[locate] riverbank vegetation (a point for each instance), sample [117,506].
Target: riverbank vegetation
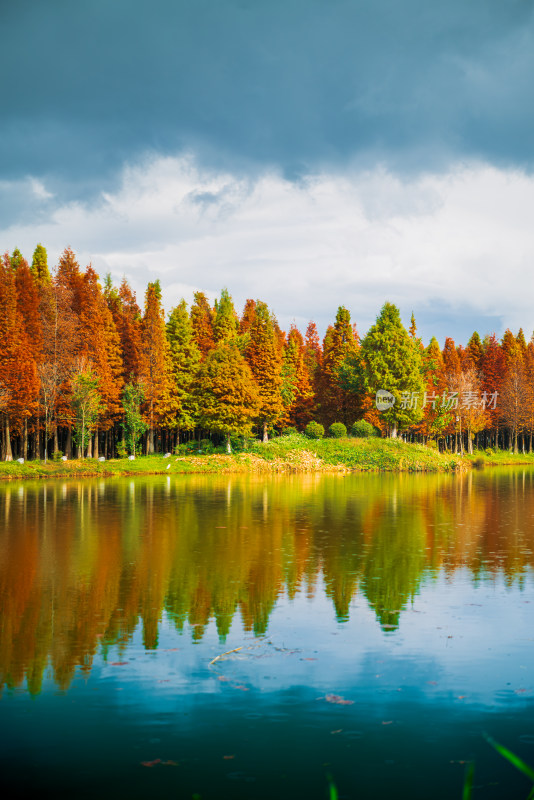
[290,453]
[84,373]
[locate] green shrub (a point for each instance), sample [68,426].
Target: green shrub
[363,429]
[206,446]
[314,430]
[432,444]
[489,451]
[57,455]
[337,430]
[289,431]
[121,449]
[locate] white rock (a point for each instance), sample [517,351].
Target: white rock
[167,455]
[101,458]
[131,458]
[64,458]
[20,460]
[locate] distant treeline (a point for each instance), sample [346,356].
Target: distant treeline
[83,371]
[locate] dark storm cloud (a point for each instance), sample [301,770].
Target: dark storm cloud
[301,84]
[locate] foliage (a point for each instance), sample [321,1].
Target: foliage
[86,402]
[134,425]
[393,363]
[337,430]
[226,391]
[362,429]
[314,430]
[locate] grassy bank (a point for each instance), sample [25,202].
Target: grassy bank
[293,453]
[499,458]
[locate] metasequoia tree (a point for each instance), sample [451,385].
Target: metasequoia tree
[155,367]
[296,390]
[100,344]
[340,349]
[393,363]
[265,360]
[86,401]
[225,320]
[228,396]
[134,425]
[18,376]
[202,321]
[60,326]
[185,357]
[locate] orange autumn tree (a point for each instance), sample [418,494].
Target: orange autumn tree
[227,394]
[297,392]
[202,316]
[18,375]
[155,367]
[265,361]
[100,344]
[340,346]
[28,307]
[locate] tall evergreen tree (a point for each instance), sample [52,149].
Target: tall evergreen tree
[39,265]
[225,320]
[265,360]
[340,347]
[202,321]
[155,371]
[226,391]
[185,357]
[393,363]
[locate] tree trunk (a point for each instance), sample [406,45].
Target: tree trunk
[229,444]
[25,440]
[56,443]
[68,443]
[95,444]
[8,451]
[89,446]
[393,430]
[265,435]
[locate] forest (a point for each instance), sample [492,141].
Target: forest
[86,373]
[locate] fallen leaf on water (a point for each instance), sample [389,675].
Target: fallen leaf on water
[228,758]
[387,722]
[340,701]
[170,650]
[170,763]
[118,663]
[151,763]
[339,730]
[308,659]
[243,688]
[221,678]
[462,696]
[432,683]
[164,680]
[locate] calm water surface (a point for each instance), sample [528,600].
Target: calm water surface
[245,637]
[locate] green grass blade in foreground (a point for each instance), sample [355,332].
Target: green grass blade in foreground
[512,758]
[332,788]
[468,783]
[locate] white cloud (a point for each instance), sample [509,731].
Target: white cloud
[459,244]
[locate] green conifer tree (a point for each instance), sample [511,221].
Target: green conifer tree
[392,362]
[226,391]
[185,357]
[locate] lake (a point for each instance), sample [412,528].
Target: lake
[249,637]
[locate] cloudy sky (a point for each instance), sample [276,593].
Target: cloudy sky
[310,153]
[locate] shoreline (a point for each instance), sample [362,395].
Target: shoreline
[284,454]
